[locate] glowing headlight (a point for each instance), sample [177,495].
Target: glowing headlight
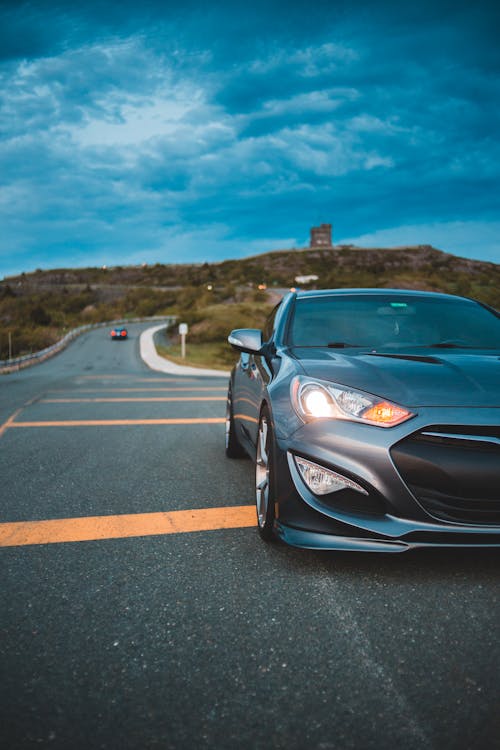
[314,399]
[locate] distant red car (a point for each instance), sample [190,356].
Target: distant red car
[118,333]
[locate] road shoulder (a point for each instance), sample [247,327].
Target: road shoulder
[153,360]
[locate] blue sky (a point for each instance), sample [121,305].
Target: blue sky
[184,132]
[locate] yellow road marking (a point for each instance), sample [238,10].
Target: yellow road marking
[250,401]
[137,380]
[22,533]
[101,400]
[245,418]
[141,390]
[9,421]
[114,422]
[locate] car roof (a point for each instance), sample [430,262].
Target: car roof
[375,292]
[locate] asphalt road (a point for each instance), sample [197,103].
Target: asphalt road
[159,636]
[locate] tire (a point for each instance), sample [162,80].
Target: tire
[264,478]
[234,449]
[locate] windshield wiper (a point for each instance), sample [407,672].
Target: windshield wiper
[450,345]
[340,345]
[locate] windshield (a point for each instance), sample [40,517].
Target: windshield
[380,321]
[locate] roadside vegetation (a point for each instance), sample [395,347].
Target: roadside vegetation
[37,309]
[206,343]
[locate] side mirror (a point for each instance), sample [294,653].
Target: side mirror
[246,340]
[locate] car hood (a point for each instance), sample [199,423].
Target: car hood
[423,378]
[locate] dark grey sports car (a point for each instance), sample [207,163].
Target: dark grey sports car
[373,417]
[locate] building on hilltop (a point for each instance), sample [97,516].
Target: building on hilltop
[321,236]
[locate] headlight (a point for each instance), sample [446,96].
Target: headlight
[316,399]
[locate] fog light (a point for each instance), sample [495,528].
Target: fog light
[322,481]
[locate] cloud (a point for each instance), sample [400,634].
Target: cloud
[154,130]
[308,62]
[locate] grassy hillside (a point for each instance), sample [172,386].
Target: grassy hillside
[37,308]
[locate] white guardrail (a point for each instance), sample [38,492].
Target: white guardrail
[18,363]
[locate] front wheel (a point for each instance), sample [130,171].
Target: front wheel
[264,476]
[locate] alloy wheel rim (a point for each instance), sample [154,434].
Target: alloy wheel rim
[262,473]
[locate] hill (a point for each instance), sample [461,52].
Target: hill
[37,308]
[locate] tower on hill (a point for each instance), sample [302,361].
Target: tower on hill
[321,236]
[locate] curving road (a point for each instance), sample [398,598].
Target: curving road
[139,608]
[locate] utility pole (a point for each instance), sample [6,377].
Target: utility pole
[10,345]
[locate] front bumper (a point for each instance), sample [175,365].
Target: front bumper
[315,540]
[390,518]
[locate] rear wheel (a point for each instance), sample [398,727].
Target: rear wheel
[264,474]
[234,449]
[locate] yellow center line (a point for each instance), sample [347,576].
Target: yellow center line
[20,533]
[113,422]
[141,399]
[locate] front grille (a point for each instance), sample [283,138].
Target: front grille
[454,472]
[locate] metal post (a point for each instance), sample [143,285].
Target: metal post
[183,329]
[10,345]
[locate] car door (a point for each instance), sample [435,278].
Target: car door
[252,376]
